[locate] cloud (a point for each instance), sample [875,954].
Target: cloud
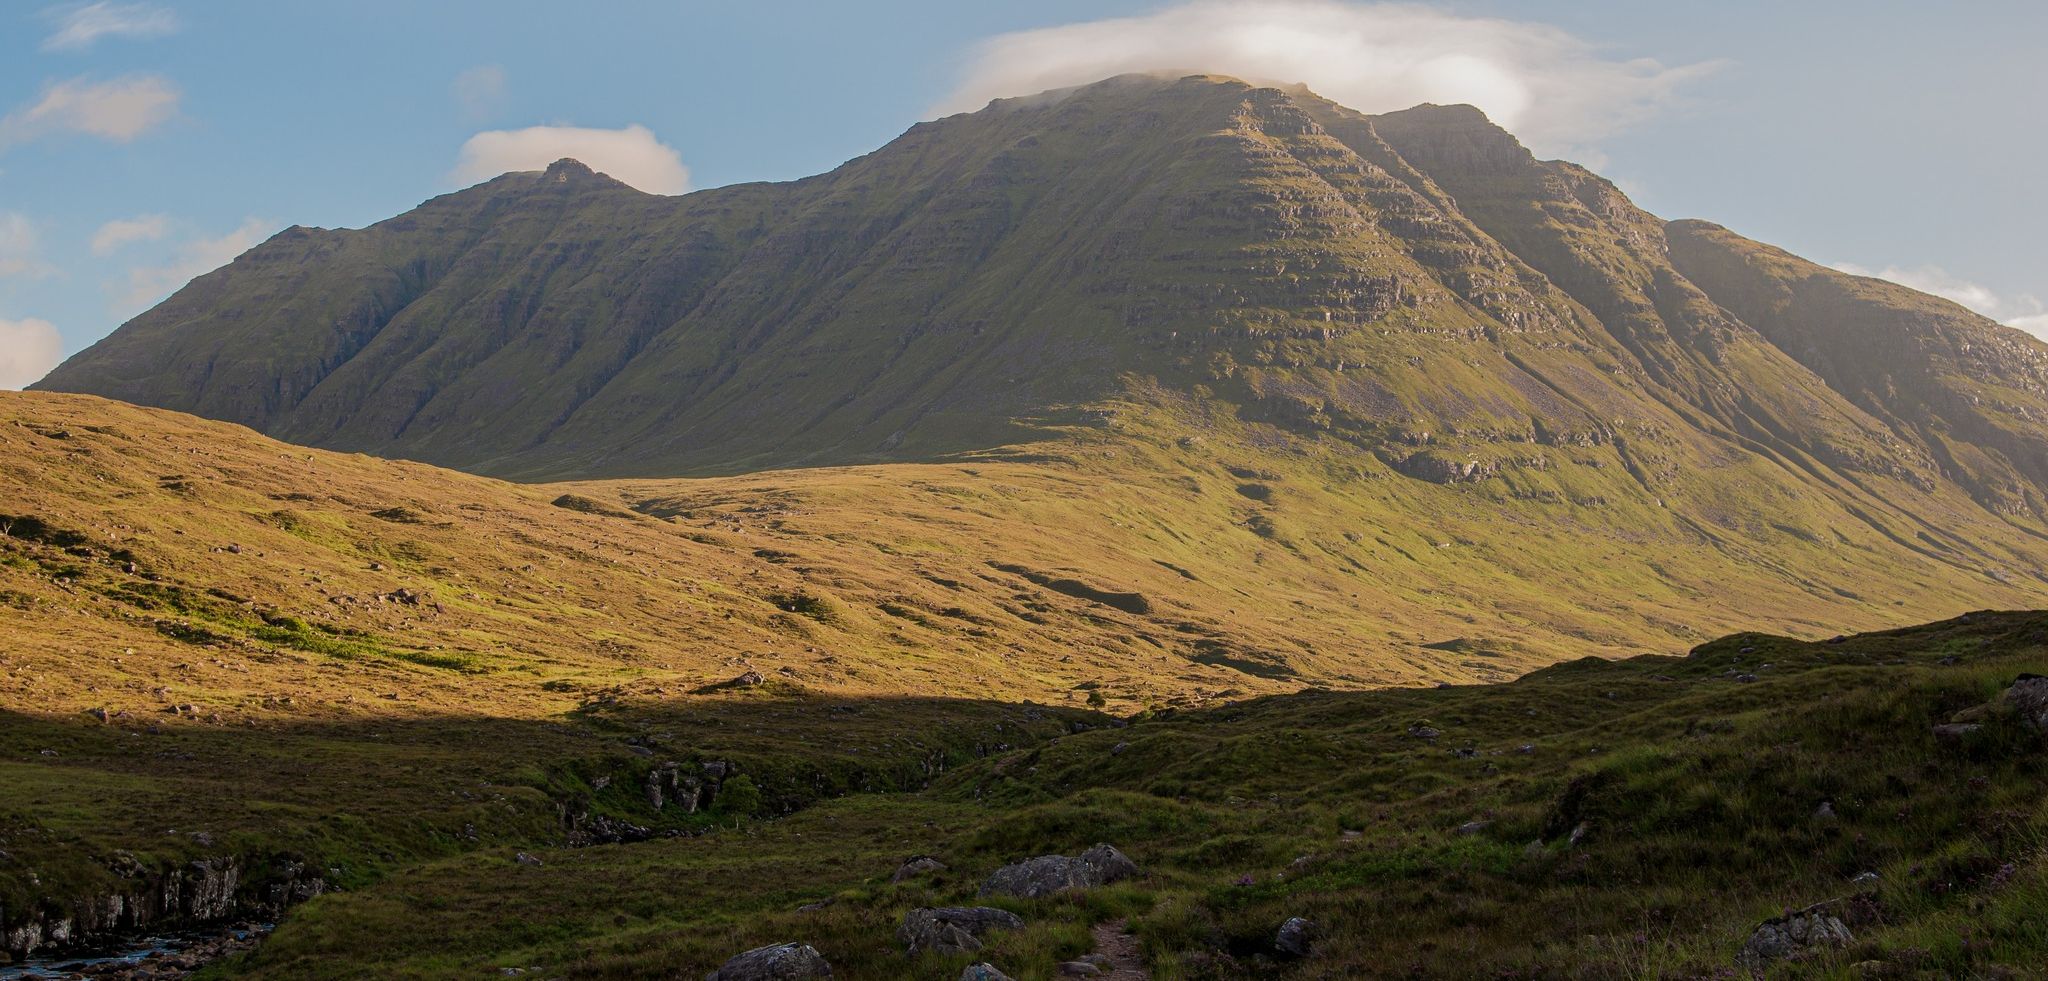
[480,90]
[19,252]
[126,231]
[79,25]
[1555,91]
[632,155]
[148,284]
[28,350]
[118,110]
[2022,310]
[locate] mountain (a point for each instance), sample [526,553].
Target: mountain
[1375,278]
[1154,462]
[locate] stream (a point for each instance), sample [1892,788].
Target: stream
[167,955]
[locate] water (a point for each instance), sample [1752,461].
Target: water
[132,952]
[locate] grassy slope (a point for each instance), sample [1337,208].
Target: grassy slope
[1699,797]
[913,606]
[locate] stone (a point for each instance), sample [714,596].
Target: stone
[983,972]
[525,859]
[951,930]
[921,865]
[1109,864]
[2029,697]
[1079,969]
[776,962]
[1297,937]
[1473,827]
[1049,874]
[1793,935]
[1955,732]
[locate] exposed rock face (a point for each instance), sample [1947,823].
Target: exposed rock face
[1049,874]
[1792,935]
[952,929]
[778,962]
[203,891]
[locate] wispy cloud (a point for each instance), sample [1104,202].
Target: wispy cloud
[148,284]
[120,109]
[20,251]
[80,25]
[631,155]
[2022,310]
[480,90]
[28,350]
[1557,92]
[120,232]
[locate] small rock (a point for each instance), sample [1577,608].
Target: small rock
[952,930]
[1118,749]
[1792,935]
[1864,879]
[983,972]
[1473,827]
[921,865]
[525,859]
[1297,937]
[1825,812]
[777,962]
[1079,969]
[1424,733]
[1955,732]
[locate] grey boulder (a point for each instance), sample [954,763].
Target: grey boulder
[776,962]
[1792,935]
[952,929]
[1050,874]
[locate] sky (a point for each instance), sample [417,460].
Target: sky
[144,142]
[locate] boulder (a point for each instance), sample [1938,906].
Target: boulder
[1792,935]
[1109,864]
[1049,874]
[1297,937]
[2029,697]
[921,865]
[952,929]
[776,962]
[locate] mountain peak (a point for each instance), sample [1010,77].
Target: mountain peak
[567,169]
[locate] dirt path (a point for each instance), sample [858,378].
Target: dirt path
[1114,941]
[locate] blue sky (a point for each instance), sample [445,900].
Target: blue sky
[142,143]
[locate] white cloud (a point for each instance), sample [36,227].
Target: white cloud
[1555,91]
[148,284]
[79,25]
[126,231]
[2023,310]
[480,90]
[19,253]
[28,350]
[118,110]
[631,155]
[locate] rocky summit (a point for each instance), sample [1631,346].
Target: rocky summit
[1171,527]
